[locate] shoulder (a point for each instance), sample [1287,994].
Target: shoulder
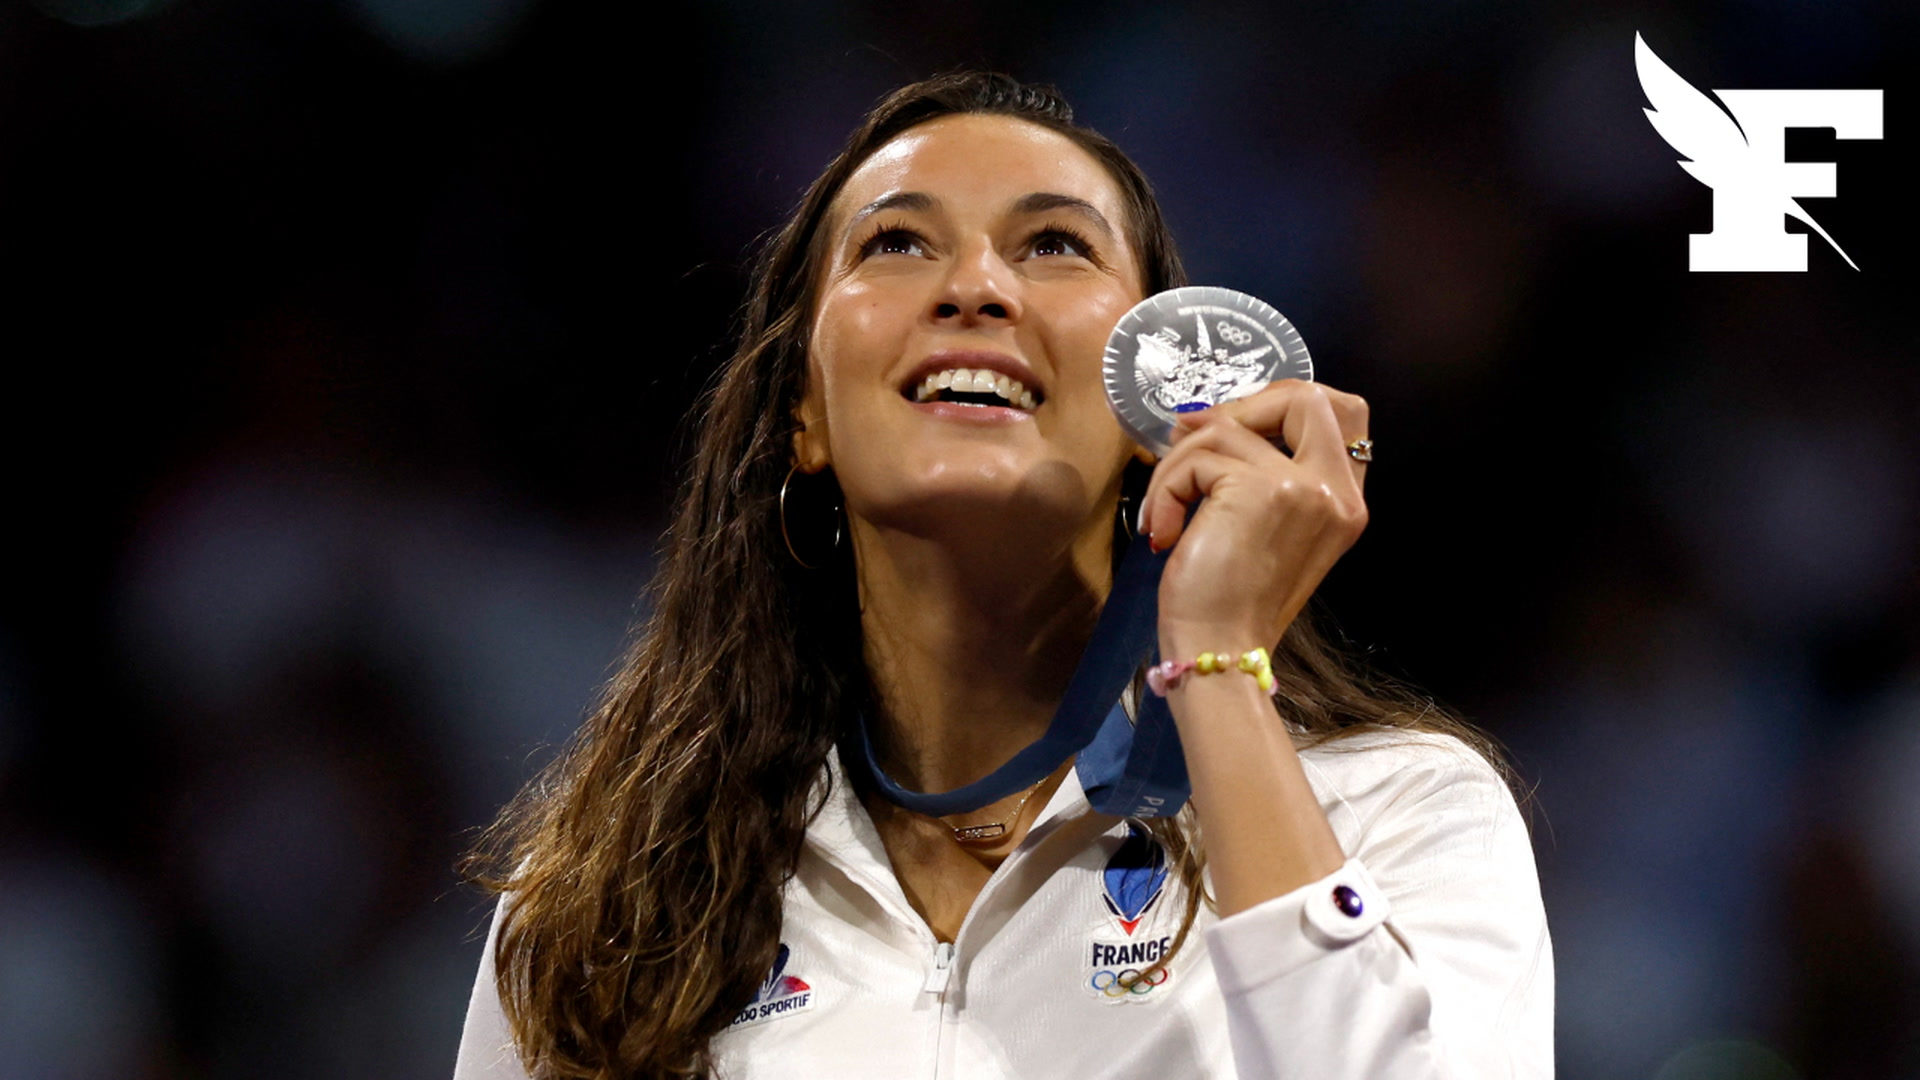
[1398,758]
[486,1040]
[1370,779]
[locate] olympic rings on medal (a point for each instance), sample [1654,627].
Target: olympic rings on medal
[1126,982]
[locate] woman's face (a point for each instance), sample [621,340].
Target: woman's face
[988,255]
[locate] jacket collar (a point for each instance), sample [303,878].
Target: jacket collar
[843,832]
[844,827]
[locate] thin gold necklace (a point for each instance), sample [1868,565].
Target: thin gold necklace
[992,830]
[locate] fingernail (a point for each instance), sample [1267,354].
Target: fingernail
[1153,544]
[1140,519]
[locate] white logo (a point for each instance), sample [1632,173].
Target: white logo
[1743,158]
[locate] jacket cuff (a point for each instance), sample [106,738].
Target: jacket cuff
[1271,939]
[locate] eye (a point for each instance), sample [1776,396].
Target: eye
[892,241]
[1058,240]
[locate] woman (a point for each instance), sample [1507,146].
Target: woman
[708,882]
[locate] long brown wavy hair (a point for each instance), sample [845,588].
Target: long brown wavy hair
[644,867]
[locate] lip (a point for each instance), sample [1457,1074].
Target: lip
[983,415]
[1000,363]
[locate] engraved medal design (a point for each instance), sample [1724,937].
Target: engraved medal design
[1193,348]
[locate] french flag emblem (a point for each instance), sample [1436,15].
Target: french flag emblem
[1134,877]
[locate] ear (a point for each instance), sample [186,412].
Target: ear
[1144,456]
[810,443]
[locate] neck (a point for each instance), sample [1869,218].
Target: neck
[971,645]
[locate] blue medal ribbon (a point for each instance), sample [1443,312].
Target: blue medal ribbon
[1128,768]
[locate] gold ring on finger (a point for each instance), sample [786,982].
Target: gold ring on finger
[1361,450]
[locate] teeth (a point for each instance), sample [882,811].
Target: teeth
[976,381]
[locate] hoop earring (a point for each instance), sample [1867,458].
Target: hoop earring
[838,525]
[1133,489]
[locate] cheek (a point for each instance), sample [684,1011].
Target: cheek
[849,324]
[855,339]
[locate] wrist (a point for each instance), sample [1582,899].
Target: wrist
[1256,663]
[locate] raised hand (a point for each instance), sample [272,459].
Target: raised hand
[1271,526]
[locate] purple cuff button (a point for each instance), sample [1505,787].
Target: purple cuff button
[1347,901]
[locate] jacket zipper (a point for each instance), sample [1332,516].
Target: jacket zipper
[942,969]
[941,972]
[937,978]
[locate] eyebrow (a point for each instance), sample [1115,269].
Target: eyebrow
[914,201]
[1041,202]
[1038,202]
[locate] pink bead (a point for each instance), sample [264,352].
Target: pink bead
[1166,675]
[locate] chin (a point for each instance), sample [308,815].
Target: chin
[1033,502]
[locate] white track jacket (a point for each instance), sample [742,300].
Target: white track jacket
[1425,956]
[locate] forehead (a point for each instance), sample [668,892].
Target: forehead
[982,162]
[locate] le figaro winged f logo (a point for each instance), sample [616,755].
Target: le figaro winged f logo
[1741,153]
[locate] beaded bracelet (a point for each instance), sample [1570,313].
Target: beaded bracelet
[1168,674]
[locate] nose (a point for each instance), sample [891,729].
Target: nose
[979,289]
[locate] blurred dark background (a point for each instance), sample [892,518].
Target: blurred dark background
[348,343]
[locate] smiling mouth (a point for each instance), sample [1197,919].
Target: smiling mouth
[975,386]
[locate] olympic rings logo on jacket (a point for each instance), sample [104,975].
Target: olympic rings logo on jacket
[1130,981]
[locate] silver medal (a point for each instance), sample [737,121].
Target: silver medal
[1194,348]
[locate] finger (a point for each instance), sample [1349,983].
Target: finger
[1274,412]
[1303,415]
[1265,410]
[1322,447]
[1179,483]
[1353,414]
[1220,435]
[1229,436]
[1260,410]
